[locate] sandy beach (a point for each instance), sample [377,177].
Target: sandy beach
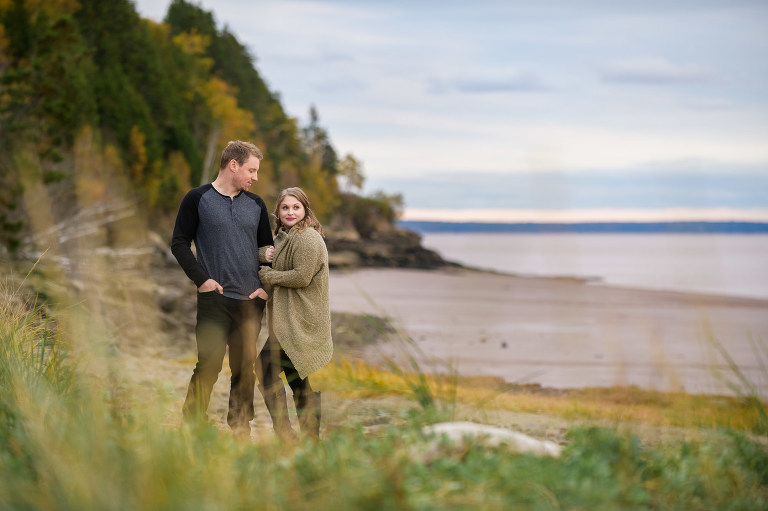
[562,333]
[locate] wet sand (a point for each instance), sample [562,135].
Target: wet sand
[563,333]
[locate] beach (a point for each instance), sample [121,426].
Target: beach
[562,332]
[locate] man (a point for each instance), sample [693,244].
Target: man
[229,226]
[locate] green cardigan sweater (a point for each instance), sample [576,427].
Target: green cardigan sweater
[298,308]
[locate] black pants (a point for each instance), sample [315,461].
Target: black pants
[223,323]
[273,361]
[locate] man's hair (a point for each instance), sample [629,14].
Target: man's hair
[309,220]
[239,151]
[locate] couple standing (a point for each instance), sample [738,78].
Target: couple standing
[231,231]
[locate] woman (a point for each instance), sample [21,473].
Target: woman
[298,314]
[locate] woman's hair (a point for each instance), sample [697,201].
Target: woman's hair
[309,220]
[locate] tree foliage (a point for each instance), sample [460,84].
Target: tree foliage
[163,98]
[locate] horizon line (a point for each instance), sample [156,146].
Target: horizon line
[506,216]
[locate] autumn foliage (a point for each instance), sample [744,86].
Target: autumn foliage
[161,99]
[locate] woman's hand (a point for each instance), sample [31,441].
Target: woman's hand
[269,255]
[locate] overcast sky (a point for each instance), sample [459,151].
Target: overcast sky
[577,104]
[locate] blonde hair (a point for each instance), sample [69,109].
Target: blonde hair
[239,151]
[309,220]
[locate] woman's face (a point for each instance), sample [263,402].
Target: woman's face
[291,211]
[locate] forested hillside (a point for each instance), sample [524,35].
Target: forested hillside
[99,105]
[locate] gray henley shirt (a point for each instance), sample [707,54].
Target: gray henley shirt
[227,233]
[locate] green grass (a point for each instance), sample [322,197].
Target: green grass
[72,440]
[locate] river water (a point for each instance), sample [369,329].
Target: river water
[726,264]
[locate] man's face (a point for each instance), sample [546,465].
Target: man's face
[245,174]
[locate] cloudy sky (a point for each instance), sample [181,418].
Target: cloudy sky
[600,105]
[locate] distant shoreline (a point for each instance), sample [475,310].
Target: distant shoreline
[588,227]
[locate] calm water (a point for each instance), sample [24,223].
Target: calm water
[710,263]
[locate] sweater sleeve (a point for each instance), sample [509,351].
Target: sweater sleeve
[263,255]
[264,233]
[308,256]
[183,233]
[264,265]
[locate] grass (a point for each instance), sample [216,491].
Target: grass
[741,385]
[356,379]
[72,440]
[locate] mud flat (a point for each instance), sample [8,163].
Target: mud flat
[563,332]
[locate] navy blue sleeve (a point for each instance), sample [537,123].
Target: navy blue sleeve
[184,232]
[264,233]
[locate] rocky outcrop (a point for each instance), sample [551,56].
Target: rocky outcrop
[391,248]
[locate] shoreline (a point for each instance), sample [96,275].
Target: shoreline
[560,333]
[600,281]
[589,281]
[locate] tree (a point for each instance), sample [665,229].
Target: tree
[318,144]
[161,99]
[351,171]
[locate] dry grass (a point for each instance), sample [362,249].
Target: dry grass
[356,379]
